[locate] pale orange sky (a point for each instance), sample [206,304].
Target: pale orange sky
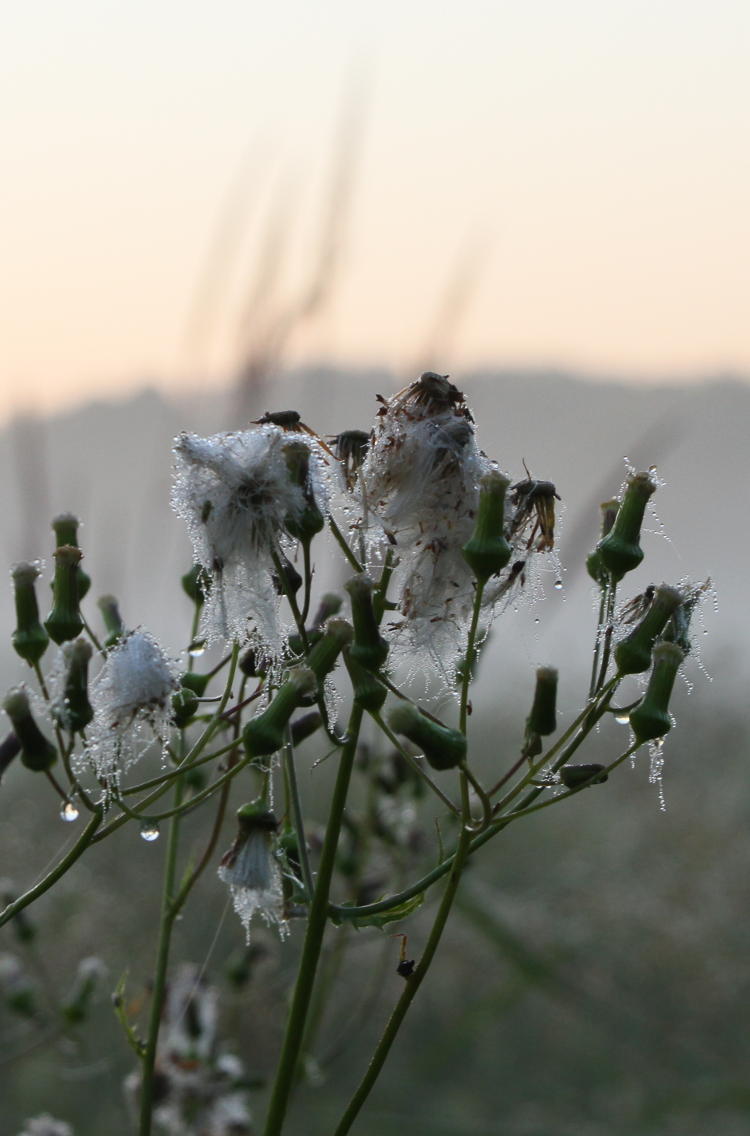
[586,164]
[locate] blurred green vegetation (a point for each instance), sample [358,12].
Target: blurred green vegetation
[592,980]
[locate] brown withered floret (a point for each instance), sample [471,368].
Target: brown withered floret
[291,422]
[534,509]
[430,394]
[350,447]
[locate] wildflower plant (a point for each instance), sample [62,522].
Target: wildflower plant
[432,538]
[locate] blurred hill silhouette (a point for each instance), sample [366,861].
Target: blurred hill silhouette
[589,983]
[110,464]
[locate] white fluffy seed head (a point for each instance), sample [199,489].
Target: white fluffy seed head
[234,492]
[421,489]
[131,699]
[253,876]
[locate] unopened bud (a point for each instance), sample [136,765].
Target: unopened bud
[286,578]
[36,752]
[620,550]
[633,653]
[195,584]
[75,711]
[307,523]
[112,619]
[305,726]
[265,734]
[444,748]
[195,682]
[594,564]
[64,621]
[488,552]
[184,706]
[651,718]
[330,605]
[574,776]
[29,639]
[10,747]
[323,655]
[367,691]
[369,648]
[543,718]
[65,527]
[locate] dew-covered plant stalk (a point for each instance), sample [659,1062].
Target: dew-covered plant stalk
[433,541]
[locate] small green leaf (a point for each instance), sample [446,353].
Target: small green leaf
[378,918]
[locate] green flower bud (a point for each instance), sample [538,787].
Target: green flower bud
[29,639]
[444,748]
[594,564]
[256,817]
[65,527]
[633,653]
[330,605]
[304,727]
[195,682]
[286,578]
[323,654]
[195,584]
[75,712]
[296,644]
[369,648]
[265,734]
[64,621]
[36,752]
[620,550]
[368,692]
[307,524]
[573,776]
[10,747]
[651,718]
[543,718]
[184,707]
[112,619]
[488,552]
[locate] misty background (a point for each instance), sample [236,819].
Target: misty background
[211,214]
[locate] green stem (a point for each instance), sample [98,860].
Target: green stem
[299,824]
[291,599]
[469,664]
[168,912]
[316,923]
[413,763]
[598,641]
[413,982]
[341,540]
[431,877]
[59,870]
[307,577]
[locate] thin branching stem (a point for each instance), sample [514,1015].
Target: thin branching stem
[316,923]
